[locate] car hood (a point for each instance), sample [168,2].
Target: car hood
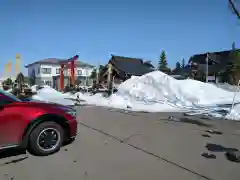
[43,105]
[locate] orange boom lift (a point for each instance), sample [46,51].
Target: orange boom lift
[70,63]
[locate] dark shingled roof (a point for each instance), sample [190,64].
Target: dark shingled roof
[57,61]
[222,57]
[131,66]
[218,61]
[202,68]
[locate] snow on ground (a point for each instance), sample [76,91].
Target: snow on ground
[51,95]
[156,91]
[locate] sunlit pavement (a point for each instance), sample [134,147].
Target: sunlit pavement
[118,145]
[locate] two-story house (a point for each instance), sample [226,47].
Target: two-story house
[48,70]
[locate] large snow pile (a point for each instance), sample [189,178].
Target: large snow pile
[157,91]
[226,86]
[159,87]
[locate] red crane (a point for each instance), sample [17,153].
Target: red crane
[71,65]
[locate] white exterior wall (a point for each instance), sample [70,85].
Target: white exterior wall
[41,77]
[85,71]
[53,71]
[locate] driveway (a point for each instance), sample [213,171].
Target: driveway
[121,145]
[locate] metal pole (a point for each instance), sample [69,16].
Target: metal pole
[97,74]
[113,83]
[234,96]
[207,68]
[86,80]
[109,76]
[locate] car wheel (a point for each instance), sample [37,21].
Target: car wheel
[45,139]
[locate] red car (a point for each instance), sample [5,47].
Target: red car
[41,128]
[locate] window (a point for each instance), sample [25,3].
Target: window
[79,72]
[38,71]
[46,70]
[58,71]
[49,83]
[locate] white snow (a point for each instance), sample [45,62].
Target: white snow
[34,88]
[51,95]
[156,91]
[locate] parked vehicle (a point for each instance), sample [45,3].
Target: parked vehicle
[41,128]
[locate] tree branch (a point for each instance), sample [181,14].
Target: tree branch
[234,8]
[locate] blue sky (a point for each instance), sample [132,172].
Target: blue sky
[94,29]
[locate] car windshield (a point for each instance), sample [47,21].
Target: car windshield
[14,98]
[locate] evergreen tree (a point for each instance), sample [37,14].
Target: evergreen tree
[94,72]
[32,81]
[177,69]
[183,63]
[162,64]
[178,66]
[7,82]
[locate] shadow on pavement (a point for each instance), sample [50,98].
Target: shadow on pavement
[219,148]
[206,135]
[12,153]
[189,121]
[16,160]
[233,156]
[208,156]
[196,122]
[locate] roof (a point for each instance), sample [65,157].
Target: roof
[131,66]
[56,61]
[218,61]
[221,57]
[202,68]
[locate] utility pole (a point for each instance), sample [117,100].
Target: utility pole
[113,84]
[97,74]
[109,82]
[207,68]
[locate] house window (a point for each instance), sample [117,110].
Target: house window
[46,70]
[38,70]
[79,72]
[58,71]
[49,83]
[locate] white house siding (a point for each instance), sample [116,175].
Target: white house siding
[43,78]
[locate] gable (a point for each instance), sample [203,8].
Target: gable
[131,66]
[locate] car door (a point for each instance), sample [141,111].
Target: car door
[7,123]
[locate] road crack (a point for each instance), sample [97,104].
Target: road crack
[147,152]
[128,138]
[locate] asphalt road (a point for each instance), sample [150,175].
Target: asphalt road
[118,145]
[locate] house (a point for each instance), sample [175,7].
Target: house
[217,64]
[47,71]
[124,67]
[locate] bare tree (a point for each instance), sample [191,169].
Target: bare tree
[234,5]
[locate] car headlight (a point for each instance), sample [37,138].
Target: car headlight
[72,113]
